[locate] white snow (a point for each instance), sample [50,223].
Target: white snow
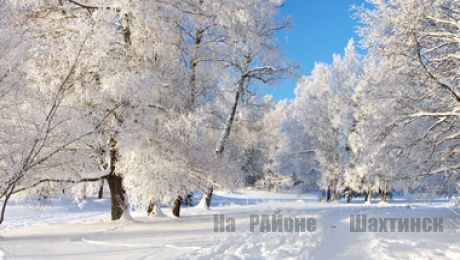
[158,213]
[202,205]
[61,230]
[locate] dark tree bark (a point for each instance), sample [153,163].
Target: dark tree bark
[176,206]
[193,68]
[117,191]
[208,195]
[228,124]
[348,194]
[45,196]
[8,193]
[150,208]
[117,196]
[383,194]
[188,199]
[100,193]
[126,20]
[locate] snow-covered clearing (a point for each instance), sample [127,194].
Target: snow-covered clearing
[63,230]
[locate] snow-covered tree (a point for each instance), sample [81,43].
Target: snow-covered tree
[414,46]
[253,57]
[317,130]
[117,60]
[40,127]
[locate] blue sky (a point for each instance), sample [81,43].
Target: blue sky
[320,29]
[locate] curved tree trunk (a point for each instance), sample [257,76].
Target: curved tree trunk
[8,193]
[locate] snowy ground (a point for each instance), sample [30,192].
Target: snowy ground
[64,230]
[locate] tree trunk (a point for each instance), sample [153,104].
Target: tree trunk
[383,196]
[335,196]
[126,20]
[176,206]
[369,196]
[228,124]
[100,193]
[8,193]
[84,191]
[193,69]
[150,208]
[208,195]
[188,199]
[117,196]
[334,189]
[117,191]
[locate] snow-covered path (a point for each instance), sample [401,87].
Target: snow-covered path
[56,233]
[340,243]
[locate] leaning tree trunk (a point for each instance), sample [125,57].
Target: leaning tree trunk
[117,191]
[228,124]
[208,196]
[8,193]
[176,206]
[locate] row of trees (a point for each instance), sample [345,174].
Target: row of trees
[155,99]
[386,120]
[142,95]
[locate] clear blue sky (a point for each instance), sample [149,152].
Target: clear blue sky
[320,29]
